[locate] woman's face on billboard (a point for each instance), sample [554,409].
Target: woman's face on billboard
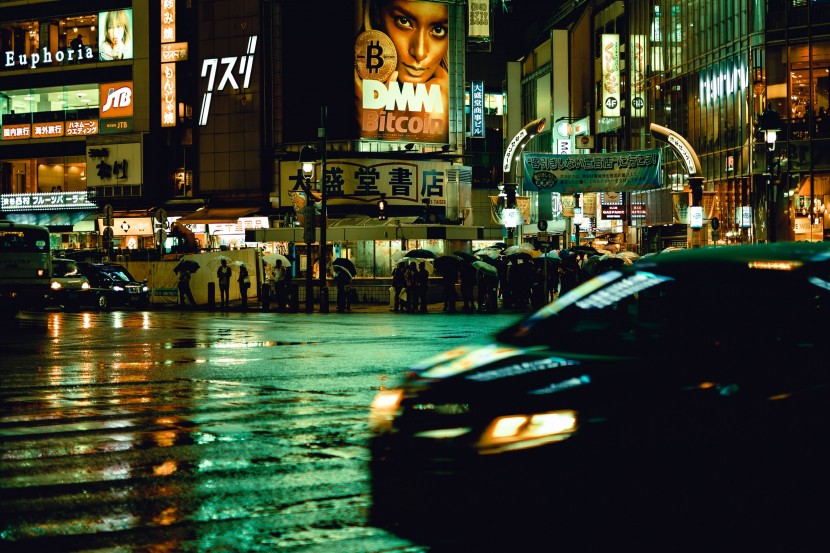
[115,32]
[419,32]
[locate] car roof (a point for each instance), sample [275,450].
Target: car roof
[739,255]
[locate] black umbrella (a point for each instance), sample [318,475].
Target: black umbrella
[187,264]
[346,264]
[420,253]
[447,265]
[464,256]
[590,249]
[342,273]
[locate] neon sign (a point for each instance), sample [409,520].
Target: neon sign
[716,83]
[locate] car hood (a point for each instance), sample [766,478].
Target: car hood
[505,374]
[72,282]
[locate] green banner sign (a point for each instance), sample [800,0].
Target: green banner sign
[578,173]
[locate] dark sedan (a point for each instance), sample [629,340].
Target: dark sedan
[682,402]
[114,286]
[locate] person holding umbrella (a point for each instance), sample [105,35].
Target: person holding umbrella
[244,283]
[184,286]
[223,275]
[342,277]
[468,284]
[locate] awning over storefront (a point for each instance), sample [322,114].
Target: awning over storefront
[368,229]
[209,215]
[55,220]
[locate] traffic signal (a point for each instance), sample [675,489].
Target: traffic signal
[510,194]
[382,207]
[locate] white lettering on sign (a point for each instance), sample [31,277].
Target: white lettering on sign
[209,69]
[45,56]
[717,83]
[403,96]
[118,98]
[508,153]
[684,152]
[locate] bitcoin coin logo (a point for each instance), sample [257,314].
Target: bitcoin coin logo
[374,56]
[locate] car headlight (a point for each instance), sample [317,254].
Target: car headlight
[384,409]
[145,289]
[117,288]
[55,285]
[84,286]
[524,431]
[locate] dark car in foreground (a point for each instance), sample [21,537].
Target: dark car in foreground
[114,286]
[680,403]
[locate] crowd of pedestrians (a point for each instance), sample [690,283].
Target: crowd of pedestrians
[516,282]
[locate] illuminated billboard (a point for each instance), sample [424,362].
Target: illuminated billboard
[115,35]
[116,112]
[402,71]
[610,75]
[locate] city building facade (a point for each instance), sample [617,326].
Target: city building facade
[711,72]
[159,125]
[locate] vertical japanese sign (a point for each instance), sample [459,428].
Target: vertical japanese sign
[478,19]
[402,80]
[637,60]
[610,75]
[168,70]
[168,94]
[477,109]
[168,21]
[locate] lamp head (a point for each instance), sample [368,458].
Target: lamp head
[770,123]
[307,157]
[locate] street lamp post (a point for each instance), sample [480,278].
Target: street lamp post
[769,124]
[514,147]
[324,289]
[307,156]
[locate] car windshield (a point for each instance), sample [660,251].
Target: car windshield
[638,311]
[118,274]
[64,268]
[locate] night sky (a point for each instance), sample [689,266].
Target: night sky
[318,52]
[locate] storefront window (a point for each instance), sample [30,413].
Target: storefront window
[49,104]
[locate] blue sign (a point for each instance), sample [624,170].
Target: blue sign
[477,109]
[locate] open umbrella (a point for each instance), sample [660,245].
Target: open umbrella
[581,248]
[447,265]
[465,256]
[272,258]
[345,263]
[486,268]
[187,264]
[420,253]
[427,262]
[342,273]
[487,252]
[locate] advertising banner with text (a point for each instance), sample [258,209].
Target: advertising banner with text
[401,60]
[578,173]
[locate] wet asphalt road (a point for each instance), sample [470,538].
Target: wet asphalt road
[167,431]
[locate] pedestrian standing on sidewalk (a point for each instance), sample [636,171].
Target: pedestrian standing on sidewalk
[398,284]
[244,283]
[223,275]
[423,285]
[185,295]
[412,287]
[468,284]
